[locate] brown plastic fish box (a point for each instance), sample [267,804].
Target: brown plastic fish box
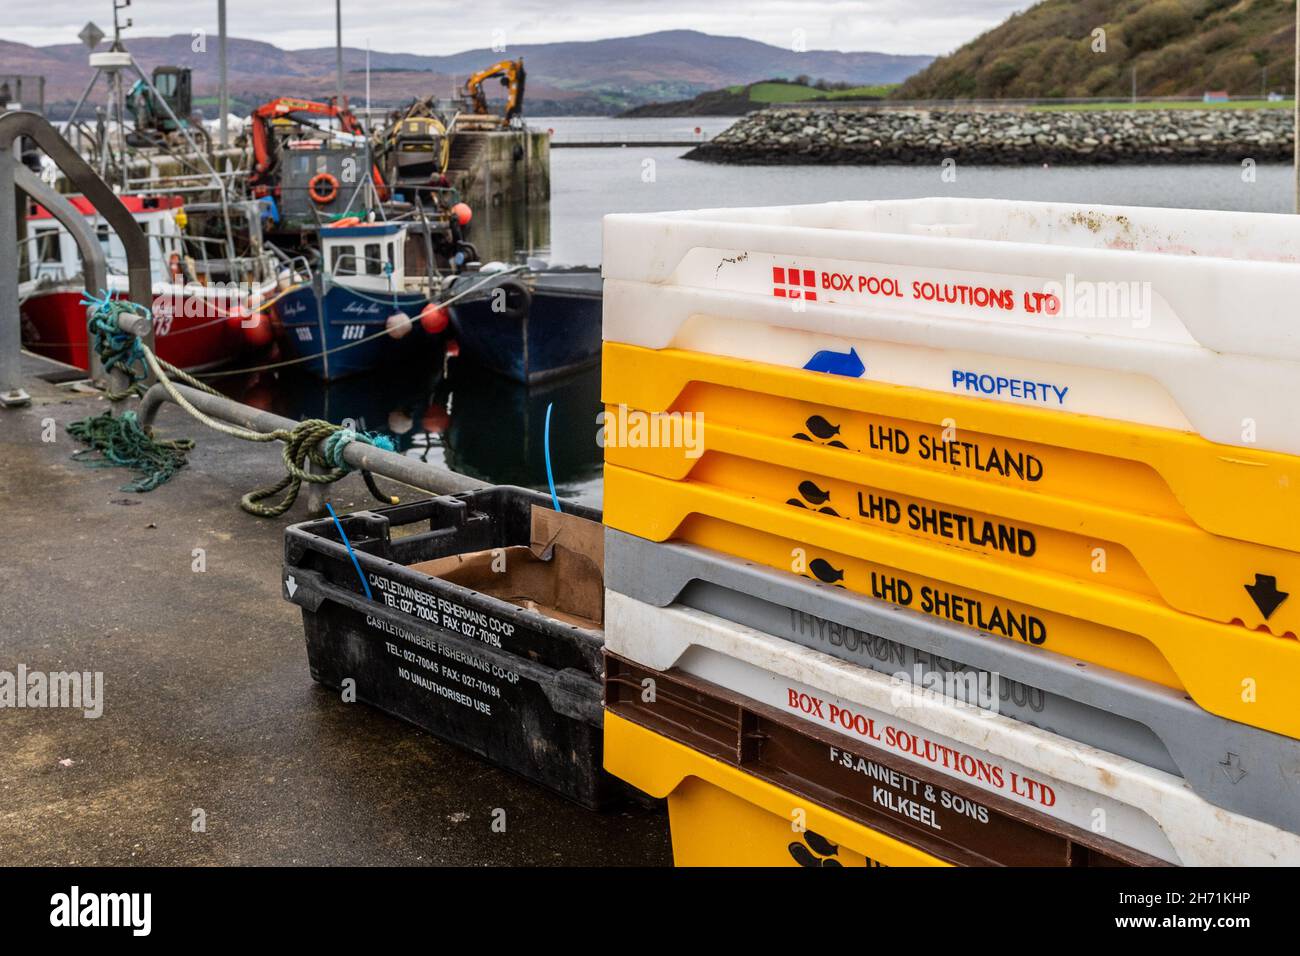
[477,617]
[937,814]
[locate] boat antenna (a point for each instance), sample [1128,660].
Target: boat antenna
[118,25]
[338,49]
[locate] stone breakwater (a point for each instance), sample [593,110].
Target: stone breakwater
[1002,137]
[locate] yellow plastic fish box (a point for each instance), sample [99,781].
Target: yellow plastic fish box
[1185,567]
[1065,459]
[1232,671]
[722,816]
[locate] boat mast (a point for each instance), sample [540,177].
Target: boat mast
[223,92]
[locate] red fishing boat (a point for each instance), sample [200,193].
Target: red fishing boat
[212,280]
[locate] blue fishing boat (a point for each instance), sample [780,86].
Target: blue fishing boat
[362,309]
[529,325]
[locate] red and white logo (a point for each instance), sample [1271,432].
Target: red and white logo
[794,283]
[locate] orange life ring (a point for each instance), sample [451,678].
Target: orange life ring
[321,198]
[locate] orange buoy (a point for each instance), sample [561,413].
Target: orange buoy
[463,213]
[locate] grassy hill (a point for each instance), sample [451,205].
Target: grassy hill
[770,91]
[739,99]
[1179,47]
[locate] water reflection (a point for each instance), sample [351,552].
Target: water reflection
[511,232]
[497,427]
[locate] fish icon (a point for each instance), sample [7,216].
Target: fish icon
[824,571]
[819,855]
[812,494]
[820,844]
[823,430]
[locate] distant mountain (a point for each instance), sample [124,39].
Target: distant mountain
[1178,47]
[595,76]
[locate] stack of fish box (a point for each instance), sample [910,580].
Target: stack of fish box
[955,531]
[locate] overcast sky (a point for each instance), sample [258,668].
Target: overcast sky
[438,27]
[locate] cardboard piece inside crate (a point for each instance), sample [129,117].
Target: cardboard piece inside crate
[559,574]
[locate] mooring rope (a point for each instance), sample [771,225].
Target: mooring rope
[315,356]
[123,441]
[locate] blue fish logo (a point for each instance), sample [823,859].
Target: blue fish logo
[848,364]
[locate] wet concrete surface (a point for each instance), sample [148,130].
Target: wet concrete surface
[209,713]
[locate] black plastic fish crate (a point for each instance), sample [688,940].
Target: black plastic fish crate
[509,683]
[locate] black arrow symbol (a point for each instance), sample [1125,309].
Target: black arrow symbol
[1265,594]
[1232,767]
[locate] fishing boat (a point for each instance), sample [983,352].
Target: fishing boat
[373,301]
[530,324]
[208,292]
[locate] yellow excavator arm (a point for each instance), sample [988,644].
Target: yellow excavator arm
[512,75]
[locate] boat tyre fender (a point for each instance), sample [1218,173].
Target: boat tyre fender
[515,296]
[323,188]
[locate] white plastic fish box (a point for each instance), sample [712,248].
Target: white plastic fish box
[1137,806]
[1176,318]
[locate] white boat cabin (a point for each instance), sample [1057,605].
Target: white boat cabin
[50,252]
[369,256]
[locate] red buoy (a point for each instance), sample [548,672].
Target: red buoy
[435,419]
[257,330]
[434,318]
[463,213]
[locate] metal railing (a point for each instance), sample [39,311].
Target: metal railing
[84,180]
[361,456]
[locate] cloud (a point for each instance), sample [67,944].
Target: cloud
[434,28]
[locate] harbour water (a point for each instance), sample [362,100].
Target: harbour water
[492,429]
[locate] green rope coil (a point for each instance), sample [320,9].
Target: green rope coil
[123,442]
